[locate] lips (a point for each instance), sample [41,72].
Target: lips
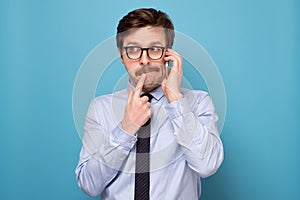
[146,69]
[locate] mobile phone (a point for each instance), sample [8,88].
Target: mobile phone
[167,69]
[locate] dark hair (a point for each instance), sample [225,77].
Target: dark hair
[145,17]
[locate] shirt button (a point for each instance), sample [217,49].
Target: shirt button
[132,141]
[181,108]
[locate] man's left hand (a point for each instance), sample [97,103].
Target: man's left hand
[171,83]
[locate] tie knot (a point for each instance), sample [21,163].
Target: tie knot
[148,95]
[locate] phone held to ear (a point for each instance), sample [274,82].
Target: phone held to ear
[169,64]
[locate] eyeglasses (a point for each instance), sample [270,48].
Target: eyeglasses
[135,53]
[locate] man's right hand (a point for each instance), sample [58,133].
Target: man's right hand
[138,109]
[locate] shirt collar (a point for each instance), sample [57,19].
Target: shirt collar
[157,93]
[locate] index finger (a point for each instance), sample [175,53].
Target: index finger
[139,85]
[173,51]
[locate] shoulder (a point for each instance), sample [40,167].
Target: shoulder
[197,95]
[108,98]
[109,104]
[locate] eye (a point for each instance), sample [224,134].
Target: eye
[155,49]
[133,49]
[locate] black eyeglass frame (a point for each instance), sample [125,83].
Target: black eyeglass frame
[144,49]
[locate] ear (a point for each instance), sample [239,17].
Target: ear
[121,56]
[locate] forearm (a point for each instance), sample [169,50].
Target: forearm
[95,171]
[103,153]
[196,133]
[92,176]
[202,148]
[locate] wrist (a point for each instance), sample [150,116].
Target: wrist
[174,97]
[129,127]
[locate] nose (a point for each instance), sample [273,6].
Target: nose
[145,60]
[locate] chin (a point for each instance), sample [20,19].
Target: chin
[150,86]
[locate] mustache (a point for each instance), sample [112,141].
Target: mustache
[147,69]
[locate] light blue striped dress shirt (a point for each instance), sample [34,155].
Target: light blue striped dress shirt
[185,146]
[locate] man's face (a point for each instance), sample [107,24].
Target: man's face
[154,69]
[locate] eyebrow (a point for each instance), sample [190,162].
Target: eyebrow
[138,44]
[132,43]
[156,43]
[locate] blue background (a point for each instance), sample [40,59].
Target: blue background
[254,43]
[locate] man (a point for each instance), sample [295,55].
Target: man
[182,145]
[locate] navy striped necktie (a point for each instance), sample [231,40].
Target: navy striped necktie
[142,167]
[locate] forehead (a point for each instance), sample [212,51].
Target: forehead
[145,37]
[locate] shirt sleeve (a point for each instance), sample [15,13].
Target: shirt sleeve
[103,153]
[194,123]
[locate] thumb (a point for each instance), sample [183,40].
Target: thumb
[164,83]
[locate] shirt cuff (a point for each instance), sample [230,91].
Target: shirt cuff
[178,108]
[122,138]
